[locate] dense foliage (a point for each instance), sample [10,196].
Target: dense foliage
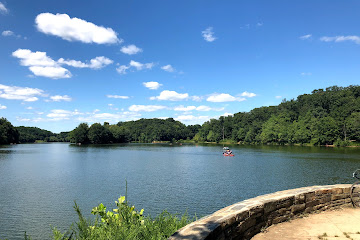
[330,116]
[33,134]
[143,130]
[8,134]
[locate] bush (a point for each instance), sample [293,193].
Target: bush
[124,222]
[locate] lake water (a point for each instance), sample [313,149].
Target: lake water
[39,182]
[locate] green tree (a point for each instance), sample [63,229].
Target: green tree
[80,134]
[99,134]
[8,134]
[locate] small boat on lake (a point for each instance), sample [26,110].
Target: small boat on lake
[227,152]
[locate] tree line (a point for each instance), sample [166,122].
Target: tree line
[143,130]
[324,117]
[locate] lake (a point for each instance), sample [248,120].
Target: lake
[39,182]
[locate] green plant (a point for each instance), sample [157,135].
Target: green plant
[123,222]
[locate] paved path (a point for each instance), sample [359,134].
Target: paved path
[337,224]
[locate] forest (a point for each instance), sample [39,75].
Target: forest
[324,117]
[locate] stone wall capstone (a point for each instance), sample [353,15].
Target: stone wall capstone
[245,219]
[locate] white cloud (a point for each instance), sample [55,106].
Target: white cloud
[146,108]
[168,68]
[122,69]
[355,39]
[227,114]
[109,117]
[20,93]
[152,85]
[2,107]
[308,36]
[75,29]
[30,108]
[278,97]
[208,34]
[117,96]
[95,63]
[133,64]
[140,66]
[42,65]
[259,24]
[29,58]
[203,108]
[50,72]
[196,98]
[7,33]
[247,94]
[131,49]
[58,98]
[171,96]
[199,108]
[223,97]
[60,114]
[184,109]
[3,9]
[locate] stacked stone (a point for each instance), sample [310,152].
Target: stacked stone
[245,219]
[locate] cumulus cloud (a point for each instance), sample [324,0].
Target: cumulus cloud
[223,97]
[355,39]
[50,72]
[208,34]
[60,114]
[141,66]
[2,107]
[199,108]
[130,49]
[59,98]
[146,108]
[20,93]
[168,68]
[42,65]
[247,94]
[7,33]
[122,69]
[95,63]
[171,96]
[3,9]
[152,85]
[308,36]
[184,109]
[75,29]
[117,96]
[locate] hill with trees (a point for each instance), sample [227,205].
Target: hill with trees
[143,130]
[34,134]
[324,117]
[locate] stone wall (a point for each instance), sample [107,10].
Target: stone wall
[245,219]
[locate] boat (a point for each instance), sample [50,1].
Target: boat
[227,152]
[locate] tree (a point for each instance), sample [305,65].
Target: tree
[99,134]
[80,134]
[8,134]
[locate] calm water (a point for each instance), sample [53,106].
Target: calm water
[39,182]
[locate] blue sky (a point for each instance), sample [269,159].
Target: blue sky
[67,62]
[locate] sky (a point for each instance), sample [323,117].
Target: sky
[67,62]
